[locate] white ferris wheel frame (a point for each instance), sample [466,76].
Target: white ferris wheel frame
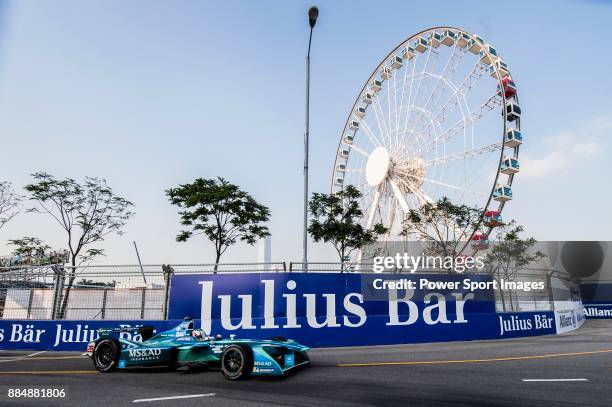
[473,77]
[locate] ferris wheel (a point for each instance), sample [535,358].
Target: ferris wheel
[438,117]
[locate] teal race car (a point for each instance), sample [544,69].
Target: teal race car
[184,345]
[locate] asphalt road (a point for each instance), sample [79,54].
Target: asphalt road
[515,372]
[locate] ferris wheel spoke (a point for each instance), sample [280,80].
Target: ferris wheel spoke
[465,122]
[360,151]
[449,68]
[465,154]
[380,119]
[410,89]
[371,136]
[374,207]
[443,184]
[429,63]
[466,84]
[397,192]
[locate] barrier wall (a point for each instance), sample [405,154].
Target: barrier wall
[317,310]
[597,300]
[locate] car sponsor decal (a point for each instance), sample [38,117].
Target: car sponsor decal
[144,354]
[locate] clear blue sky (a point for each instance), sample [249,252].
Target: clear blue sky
[150,94]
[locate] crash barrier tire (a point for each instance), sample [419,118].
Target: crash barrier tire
[106,355]
[232,355]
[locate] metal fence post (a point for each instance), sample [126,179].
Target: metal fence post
[168,271]
[103,311]
[551,296]
[142,303]
[58,286]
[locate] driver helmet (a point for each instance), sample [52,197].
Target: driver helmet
[198,334]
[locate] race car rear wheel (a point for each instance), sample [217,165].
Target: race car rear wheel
[237,362]
[106,355]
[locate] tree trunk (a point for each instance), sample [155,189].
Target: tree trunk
[217,263]
[62,313]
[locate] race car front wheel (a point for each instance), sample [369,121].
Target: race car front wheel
[106,355]
[237,362]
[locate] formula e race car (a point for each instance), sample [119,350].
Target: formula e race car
[184,345]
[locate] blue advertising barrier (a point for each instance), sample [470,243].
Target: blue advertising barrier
[340,309]
[64,335]
[597,300]
[317,310]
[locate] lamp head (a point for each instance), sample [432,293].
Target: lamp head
[313,13]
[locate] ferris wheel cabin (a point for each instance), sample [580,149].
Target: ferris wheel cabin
[480,242]
[502,193]
[386,73]
[348,139]
[436,40]
[513,111]
[354,125]
[476,45]
[449,38]
[500,66]
[367,98]
[407,52]
[463,40]
[376,85]
[487,57]
[513,138]
[421,45]
[492,219]
[509,87]
[396,62]
[360,111]
[509,166]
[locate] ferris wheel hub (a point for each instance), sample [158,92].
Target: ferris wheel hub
[377,167]
[411,172]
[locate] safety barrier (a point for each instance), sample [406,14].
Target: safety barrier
[317,310]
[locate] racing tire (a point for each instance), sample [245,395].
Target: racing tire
[106,355]
[237,362]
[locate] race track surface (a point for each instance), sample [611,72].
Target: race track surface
[573,369]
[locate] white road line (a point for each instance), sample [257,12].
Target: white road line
[174,397]
[16,358]
[556,380]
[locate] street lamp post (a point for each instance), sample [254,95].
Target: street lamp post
[313,13]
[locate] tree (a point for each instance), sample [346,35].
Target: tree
[509,253]
[87,212]
[29,246]
[221,211]
[9,203]
[336,220]
[443,224]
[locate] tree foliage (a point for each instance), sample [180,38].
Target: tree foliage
[509,252]
[29,246]
[336,220]
[443,224]
[221,211]
[9,203]
[87,212]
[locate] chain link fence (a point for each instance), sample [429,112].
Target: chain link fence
[133,292]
